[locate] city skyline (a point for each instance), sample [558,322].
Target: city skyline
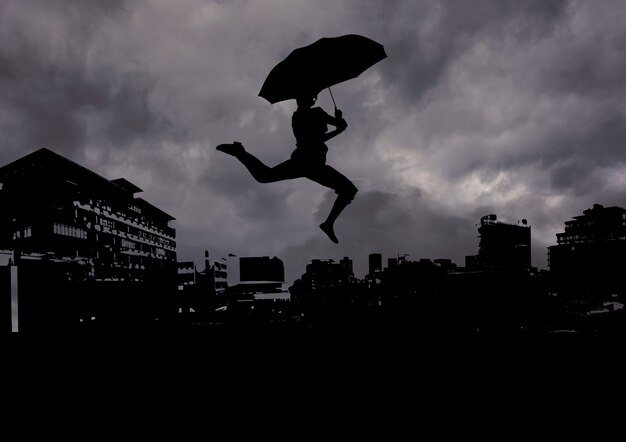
[485,107]
[22,181]
[81,253]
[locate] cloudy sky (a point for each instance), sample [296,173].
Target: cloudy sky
[490,106]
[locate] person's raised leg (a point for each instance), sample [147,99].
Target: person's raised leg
[328,226]
[345,189]
[259,171]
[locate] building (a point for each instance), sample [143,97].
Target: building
[446,264]
[408,278]
[213,279]
[502,246]
[219,274]
[261,268]
[259,298]
[324,281]
[113,251]
[589,258]
[323,274]
[392,262]
[375,263]
[261,277]
[375,269]
[187,275]
[197,289]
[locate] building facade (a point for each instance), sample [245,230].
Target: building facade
[590,255]
[261,268]
[199,290]
[95,231]
[502,246]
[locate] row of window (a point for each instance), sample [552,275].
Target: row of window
[128,244]
[588,238]
[133,231]
[75,232]
[107,207]
[26,232]
[107,223]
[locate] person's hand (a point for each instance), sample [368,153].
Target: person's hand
[338,113]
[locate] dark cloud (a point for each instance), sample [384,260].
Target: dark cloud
[44,86]
[425,39]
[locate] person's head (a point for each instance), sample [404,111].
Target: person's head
[306,100]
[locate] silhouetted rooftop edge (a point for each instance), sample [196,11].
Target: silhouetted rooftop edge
[49,159]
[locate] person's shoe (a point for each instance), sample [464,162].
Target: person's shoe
[328,230]
[235,148]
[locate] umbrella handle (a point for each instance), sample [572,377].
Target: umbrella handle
[331,96]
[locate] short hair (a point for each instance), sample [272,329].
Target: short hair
[306,97]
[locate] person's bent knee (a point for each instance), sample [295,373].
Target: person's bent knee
[348,193]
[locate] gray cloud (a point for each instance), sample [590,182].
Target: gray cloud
[489,106]
[45,86]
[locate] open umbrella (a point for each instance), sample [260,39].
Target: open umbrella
[320,65]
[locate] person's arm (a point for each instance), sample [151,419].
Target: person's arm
[336,121]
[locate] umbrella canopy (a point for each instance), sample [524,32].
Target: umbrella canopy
[322,64]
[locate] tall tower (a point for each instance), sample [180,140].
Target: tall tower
[375,263]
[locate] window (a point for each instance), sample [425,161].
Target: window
[75,232]
[107,223]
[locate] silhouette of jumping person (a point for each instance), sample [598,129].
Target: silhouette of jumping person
[308,160]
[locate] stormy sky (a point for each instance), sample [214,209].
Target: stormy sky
[491,106]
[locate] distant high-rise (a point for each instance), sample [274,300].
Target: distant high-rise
[501,246]
[375,263]
[590,254]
